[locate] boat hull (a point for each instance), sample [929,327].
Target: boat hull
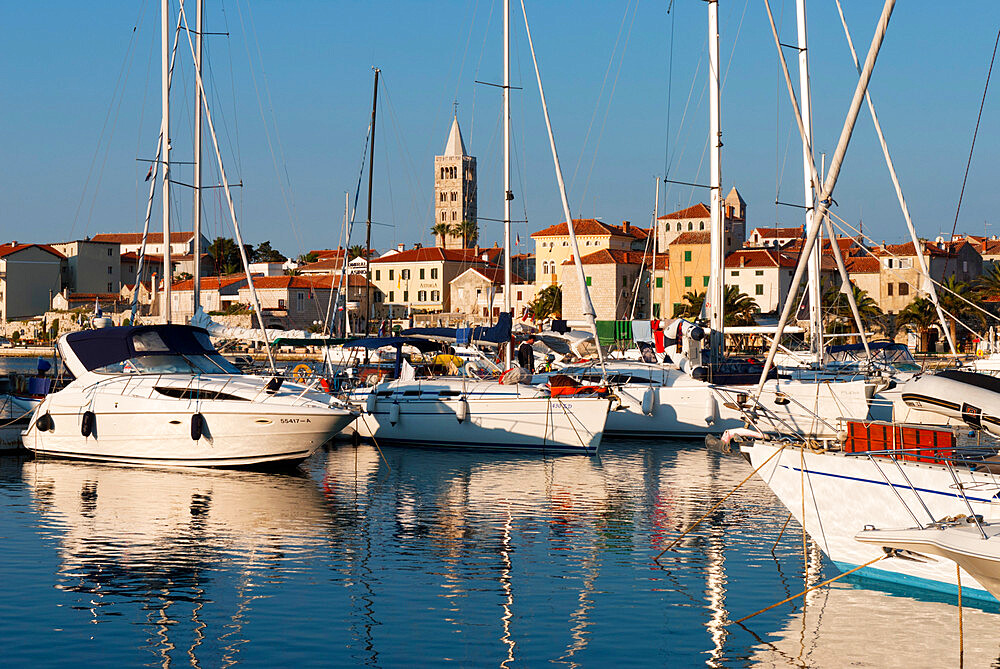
[844,494]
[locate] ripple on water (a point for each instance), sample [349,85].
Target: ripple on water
[429,555]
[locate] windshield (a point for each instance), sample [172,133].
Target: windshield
[172,363]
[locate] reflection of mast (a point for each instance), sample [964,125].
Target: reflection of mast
[508,591]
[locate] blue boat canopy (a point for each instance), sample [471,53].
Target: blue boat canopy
[93,349]
[398,342]
[498,333]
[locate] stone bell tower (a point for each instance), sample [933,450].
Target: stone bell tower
[455,210]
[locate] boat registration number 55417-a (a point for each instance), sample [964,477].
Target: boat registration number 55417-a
[295,420]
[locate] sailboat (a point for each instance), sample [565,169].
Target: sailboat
[161,394]
[481,414]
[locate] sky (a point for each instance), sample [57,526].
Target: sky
[290,87]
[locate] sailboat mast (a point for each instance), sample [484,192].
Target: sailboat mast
[507,195]
[813,268]
[345,277]
[368,219]
[654,232]
[165,174]
[714,299]
[199,11]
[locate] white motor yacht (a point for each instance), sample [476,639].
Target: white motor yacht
[162,395]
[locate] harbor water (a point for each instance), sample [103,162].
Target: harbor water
[431,557]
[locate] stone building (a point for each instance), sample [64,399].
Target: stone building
[91,266]
[30,276]
[455,200]
[698,218]
[773,237]
[552,247]
[611,276]
[689,267]
[477,294]
[900,279]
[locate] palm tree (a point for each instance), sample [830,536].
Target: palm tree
[739,308]
[468,231]
[547,303]
[441,230]
[355,251]
[691,307]
[838,309]
[919,315]
[988,285]
[954,299]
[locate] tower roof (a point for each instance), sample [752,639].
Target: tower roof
[455,146]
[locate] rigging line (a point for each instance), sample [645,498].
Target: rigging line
[736,40]
[972,148]
[687,103]
[670,90]
[479,64]
[600,96]
[611,95]
[408,163]
[120,94]
[465,53]
[232,100]
[286,194]
[142,115]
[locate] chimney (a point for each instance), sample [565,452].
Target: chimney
[400,247]
[625,226]
[152,284]
[417,245]
[743,260]
[477,248]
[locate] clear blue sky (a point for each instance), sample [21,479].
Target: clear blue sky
[295,77]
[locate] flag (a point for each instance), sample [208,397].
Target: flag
[517,240]
[149,174]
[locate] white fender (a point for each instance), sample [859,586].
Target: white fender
[711,409]
[462,410]
[394,413]
[649,401]
[742,433]
[372,402]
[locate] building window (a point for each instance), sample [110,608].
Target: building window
[406,296]
[687,256]
[904,289]
[888,288]
[704,281]
[758,289]
[690,225]
[109,269]
[687,282]
[109,252]
[453,215]
[519,296]
[392,296]
[701,226]
[281,304]
[421,272]
[759,272]
[378,274]
[444,216]
[566,243]
[110,288]
[422,296]
[588,280]
[659,282]
[435,296]
[678,227]
[391,274]
[300,301]
[434,272]
[404,274]
[735,272]
[965,267]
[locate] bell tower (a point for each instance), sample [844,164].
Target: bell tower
[455,210]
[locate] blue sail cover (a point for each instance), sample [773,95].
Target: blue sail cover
[496,334]
[107,346]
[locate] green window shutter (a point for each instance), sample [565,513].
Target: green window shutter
[704,281]
[659,282]
[656,311]
[687,282]
[687,256]
[588,280]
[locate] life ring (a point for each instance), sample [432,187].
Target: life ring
[301,373]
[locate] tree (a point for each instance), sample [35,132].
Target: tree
[356,251]
[468,231]
[988,285]
[264,253]
[954,298]
[547,303]
[691,306]
[837,309]
[225,255]
[919,316]
[441,230]
[307,258]
[739,308]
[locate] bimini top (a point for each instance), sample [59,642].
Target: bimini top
[495,334]
[398,342]
[115,349]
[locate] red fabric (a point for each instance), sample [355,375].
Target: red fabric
[658,336]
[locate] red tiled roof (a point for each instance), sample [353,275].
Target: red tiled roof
[693,237]
[436,253]
[14,247]
[862,265]
[494,275]
[610,257]
[326,254]
[760,258]
[697,211]
[988,247]
[582,226]
[777,233]
[211,282]
[136,237]
[134,257]
[90,297]
[907,249]
[329,264]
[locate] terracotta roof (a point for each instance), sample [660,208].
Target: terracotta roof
[610,257]
[136,237]
[989,247]
[493,274]
[862,265]
[211,282]
[760,258]
[907,249]
[436,253]
[693,237]
[132,256]
[777,233]
[326,254]
[326,265]
[90,297]
[697,211]
[287,281]
[14,247]
[581,226]
[522,256]
[848,246]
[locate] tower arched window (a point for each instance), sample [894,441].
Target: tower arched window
[690,225]
[678,227]
[444,216]
[701,226]
[453,216]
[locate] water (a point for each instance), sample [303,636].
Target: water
[431,557]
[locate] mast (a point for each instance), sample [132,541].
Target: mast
[345,277]
[368,220]
[165,143]
[814,266]
[199,11]
[715,296]
[507,195]
[654,231]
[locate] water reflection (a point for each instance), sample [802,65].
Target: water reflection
[174,543]
[386,558]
